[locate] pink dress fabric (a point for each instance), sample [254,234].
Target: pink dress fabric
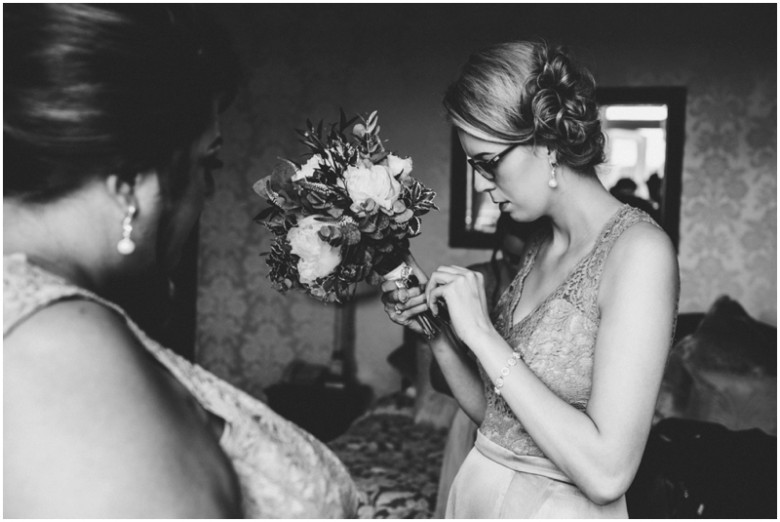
[284,471]
[506,475]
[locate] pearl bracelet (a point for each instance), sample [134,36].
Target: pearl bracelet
[512,361]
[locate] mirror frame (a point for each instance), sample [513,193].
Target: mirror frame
[673,97]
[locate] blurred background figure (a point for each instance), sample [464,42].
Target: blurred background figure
[625,191]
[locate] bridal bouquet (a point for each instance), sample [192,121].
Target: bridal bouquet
[345,215]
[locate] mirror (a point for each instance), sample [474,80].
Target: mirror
[645,129]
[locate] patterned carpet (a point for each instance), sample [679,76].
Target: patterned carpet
[395,462]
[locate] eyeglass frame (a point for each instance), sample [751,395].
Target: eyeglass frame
[487,168]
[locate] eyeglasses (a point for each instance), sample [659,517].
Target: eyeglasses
[487,168]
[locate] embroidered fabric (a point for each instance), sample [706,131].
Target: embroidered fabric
[556,340]
[284,471]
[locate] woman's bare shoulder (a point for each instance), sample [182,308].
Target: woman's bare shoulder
[94,427]
[643,257]
[643,244]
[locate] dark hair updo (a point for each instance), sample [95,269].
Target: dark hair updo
[92,90]
[530,92]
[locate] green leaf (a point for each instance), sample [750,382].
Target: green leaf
[415,226]
[342,119]
[405,216]
[379,157]
[261,187]
[283,172]
[265,214]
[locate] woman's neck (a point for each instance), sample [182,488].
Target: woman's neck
[53,240]
[579,213]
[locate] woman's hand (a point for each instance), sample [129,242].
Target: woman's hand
[463,291]
[403,304]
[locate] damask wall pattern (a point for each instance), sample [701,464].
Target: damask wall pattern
[729,207]
[398,59]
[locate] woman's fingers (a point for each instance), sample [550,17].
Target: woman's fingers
[447,282]
[408,313]
[389,286]
[434,289]
[401,296]
[406,317]
[482,297]
[404,303]
[461,280]
[433,296]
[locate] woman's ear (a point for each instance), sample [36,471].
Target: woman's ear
[121,191]
[144,188]
[552,156]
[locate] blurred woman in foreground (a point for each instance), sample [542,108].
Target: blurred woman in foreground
[111,137]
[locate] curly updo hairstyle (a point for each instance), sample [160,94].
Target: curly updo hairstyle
[93,90]
[529,92]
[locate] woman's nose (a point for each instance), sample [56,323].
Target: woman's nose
[481,184]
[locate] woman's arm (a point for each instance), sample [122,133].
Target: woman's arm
[599,449]
[461,374]
[94,427]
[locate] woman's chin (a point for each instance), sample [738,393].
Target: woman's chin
[518,214]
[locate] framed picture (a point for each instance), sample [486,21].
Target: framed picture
[645,130]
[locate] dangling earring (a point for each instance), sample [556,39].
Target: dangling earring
[553,183]
[126,246]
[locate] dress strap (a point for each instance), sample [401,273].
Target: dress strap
[626,218]
[583,288]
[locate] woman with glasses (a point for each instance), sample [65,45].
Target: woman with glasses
[571,358]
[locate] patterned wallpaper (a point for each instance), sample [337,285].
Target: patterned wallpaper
[305,61]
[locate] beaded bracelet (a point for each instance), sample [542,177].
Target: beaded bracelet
[512,361]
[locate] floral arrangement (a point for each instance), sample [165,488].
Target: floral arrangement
[345,215]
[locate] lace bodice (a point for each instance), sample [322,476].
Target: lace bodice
[556,340]
[284,471]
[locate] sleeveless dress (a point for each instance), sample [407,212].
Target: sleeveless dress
[284,472]
[506,475]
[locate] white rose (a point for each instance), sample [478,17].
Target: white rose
[374,183]
[399,166]
[307,170]
[318,258]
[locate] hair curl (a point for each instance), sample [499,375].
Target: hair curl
[92,90]
[531,92]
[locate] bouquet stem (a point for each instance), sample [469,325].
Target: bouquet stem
[404,275]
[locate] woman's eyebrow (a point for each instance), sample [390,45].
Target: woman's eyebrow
[490,154]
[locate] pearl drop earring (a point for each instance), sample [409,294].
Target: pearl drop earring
[126,246]
[553,183]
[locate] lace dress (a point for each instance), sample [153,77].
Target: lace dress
[284,471]
[556,340]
